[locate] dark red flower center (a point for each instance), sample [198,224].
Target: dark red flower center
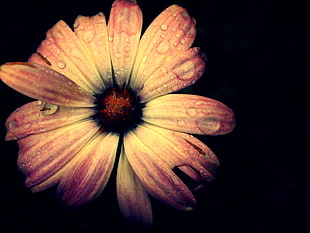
[119,109]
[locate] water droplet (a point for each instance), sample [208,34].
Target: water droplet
[27,126]
[88,36]
[164,70]
[13,125]
[163,47]
[164,27]
[181,123]
[39,102]
[191,111]
[61,64]
[49,109]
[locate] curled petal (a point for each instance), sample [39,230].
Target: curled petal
[156,174]
[86,175]
[38,117]
[172,32]
[180,150]
[179,72]
[62,51]
[190,113]
[45,84]
[92,33]
[132,197]
[124,30]
[42,155]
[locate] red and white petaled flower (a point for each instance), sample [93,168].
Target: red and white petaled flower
[101,87]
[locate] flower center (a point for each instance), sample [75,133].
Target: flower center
[119,110]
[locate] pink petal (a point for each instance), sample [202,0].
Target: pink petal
[86,175]
[38,117]
[171,33]
[179,150]
[42,155]
[92,33]
[124,30]
[45,84]
[132,197]
[190,113]
[64,52]
[156,174]
[181,71]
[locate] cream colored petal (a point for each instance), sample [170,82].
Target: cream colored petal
[63,51]
[190,113]
[183,70]
[92,33]
[156,174]
[43,83]
[180,150]
[38,117]
[171,33]
[42,155]
[124,28]
[48,183]
[86,175]
[132,197]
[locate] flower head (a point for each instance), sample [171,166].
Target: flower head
[103,86]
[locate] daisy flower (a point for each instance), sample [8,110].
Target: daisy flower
[102,96]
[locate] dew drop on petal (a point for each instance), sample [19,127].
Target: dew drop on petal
[191,111]
[49,109]
[61,64]
[39,102]
[163,47]
[164,27]
[181,123]
[13,125]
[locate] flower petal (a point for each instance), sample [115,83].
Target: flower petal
[181,71]
[42,155]
[124,30]
[86,175]
[180,150]
[190,114]
[45,84]
[155,173]
[62,51]
[133,199]
[172,32]
[92,33]
[38,117]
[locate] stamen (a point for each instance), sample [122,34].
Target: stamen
[119,110]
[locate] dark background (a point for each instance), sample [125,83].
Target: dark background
[256,65]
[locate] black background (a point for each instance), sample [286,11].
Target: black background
[256,65]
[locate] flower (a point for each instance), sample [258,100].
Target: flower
[102,93]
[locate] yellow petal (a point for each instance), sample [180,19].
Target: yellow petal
[86,175]
[44,83]
[63,52]
[172,32]
[154,173]
[42,155]
[37,117]
[92,33]
[181,71]
[132,197]
[124,30]
[190,113]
